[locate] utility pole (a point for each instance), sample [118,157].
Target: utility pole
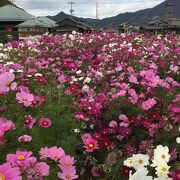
[97,10]
[71,9]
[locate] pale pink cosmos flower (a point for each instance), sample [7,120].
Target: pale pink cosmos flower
[45,122]
[6,82]
[113,124]
[25,98]
[66,162]
[55,153]
[25,138]
[148,104]
[91,144]
[68,174]
[44,153]
[9,173]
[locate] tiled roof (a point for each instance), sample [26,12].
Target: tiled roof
[12,13]
[38,22]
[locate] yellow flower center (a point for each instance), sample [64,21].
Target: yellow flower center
[24,98]
[68,176]
[151,102]
[163,156]
[8,83]
[55,155]
[164,169]
[21,157]
[91,145]
[130,161]
[2,177]
[140,161]
[67,163]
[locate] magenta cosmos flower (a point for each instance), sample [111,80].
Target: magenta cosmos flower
[21,159]
[90,144]
[9,173]
[6,80]
[148,104]
[68,174]
[45,122]
[55,153]
[29,122]
[25,98]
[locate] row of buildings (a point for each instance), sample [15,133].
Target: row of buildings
[17,23]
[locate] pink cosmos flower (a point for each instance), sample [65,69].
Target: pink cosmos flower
[44,153]
[90,145]
[55,153]
[9,173]
[148,104]
[66,162]
[21,159]
[45,122]
[25,138]
[29,122]
[6,80]
[25,98]
[68,174]
[42,169]
[113,124]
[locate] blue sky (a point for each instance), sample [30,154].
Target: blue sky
[85,8]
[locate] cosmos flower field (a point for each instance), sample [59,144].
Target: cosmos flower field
[90,106]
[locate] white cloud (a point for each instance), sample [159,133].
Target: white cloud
[85,8]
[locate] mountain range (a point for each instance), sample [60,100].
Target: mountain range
[141,17]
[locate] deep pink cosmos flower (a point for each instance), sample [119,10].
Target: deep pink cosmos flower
[148,104]
[25,98]
[9,173]
[45,122]
[29,122]
[55,153]
[175,175]
[6,82]
[21,159]
[68,174]
[90,144]
[66,162]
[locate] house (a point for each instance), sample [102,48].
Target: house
[10,16]
[157,25]
[127,27]
[68,24]
[35,26]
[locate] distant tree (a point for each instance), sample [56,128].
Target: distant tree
[5,2]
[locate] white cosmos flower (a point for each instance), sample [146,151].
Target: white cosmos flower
[141,174]
[85,88]
[9,63]
[78,72]
[178,140]
[139,161]
[128,162]
[161,154]
[163,178]
[38,74]
[87,80]
[162,169]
